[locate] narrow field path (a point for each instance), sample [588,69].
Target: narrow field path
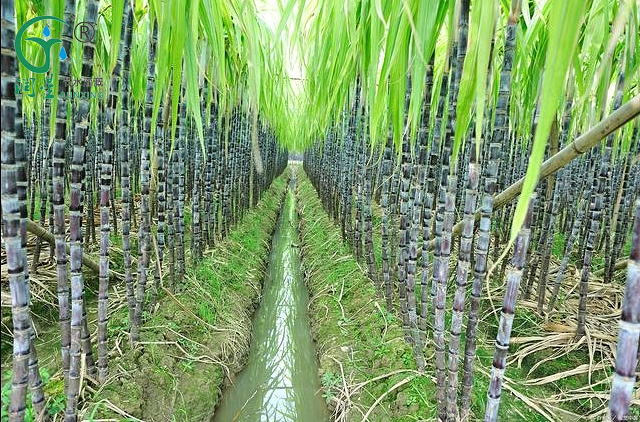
[280,381]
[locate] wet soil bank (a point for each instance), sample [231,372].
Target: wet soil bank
[280,381]
[366,368]
[198,338]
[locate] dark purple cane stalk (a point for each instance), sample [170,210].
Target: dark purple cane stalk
[144,239]
[368,230]
[196,248]
[11,224]
[440,264]
[359,181]
[68,333]
[35,381]
[547,245]
[624,376]
[464,264]
[446,216]
[384,203]
[43,184]
[491,173]
[161,209]
[80,341]
[595,217]
[180,198]
[426,180]
[124,137]
[513,277]
[404,290]
[569,247]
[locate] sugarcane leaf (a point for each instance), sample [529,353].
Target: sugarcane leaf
[191,71]
[565,21]
[468,80]
[139,56]
[427,26]
[117,15]
[398,79]
[176,50]
[485,37]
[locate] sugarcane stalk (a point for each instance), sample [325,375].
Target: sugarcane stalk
[11,228]
[464,264]
[124,60]
[20,153]
[595,214]
[145,218]
[404,290]
[624,376]
[514,275]
[494,155]
[582,144]
[384,203]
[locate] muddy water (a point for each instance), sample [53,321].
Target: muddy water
[280,381]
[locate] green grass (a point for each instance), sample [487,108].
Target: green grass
[626,250]
[558,246]
[54,393]
[597,262]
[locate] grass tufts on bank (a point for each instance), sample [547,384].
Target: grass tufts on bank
[363,357]
[198,337]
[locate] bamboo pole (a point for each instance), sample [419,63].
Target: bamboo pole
[41,232]
[582,144]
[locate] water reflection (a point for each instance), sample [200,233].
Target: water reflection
[280,382]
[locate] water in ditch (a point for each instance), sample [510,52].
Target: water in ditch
[280,381]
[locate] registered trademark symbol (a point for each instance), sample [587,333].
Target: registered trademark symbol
[85,32]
